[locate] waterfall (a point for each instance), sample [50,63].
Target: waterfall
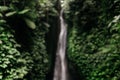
[60,71]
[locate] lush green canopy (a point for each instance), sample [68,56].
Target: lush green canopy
[29,31]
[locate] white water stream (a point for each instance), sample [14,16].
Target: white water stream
[60,71]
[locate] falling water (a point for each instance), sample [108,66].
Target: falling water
[60,72]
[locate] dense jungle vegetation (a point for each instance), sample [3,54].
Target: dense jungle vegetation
[29,31]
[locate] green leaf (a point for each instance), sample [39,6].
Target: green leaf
[3,65]
[10,14]
[2,21]
[3,8]
[1,15]
[1,76]
[46,24]
[45,61]
[24,11]
[30,23]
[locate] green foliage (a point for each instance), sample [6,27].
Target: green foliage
[3,8]
[39,56]
[12,9]
[94,49]
[12,65]
[30,24]
[41,63]
[96,54]
[30,61]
